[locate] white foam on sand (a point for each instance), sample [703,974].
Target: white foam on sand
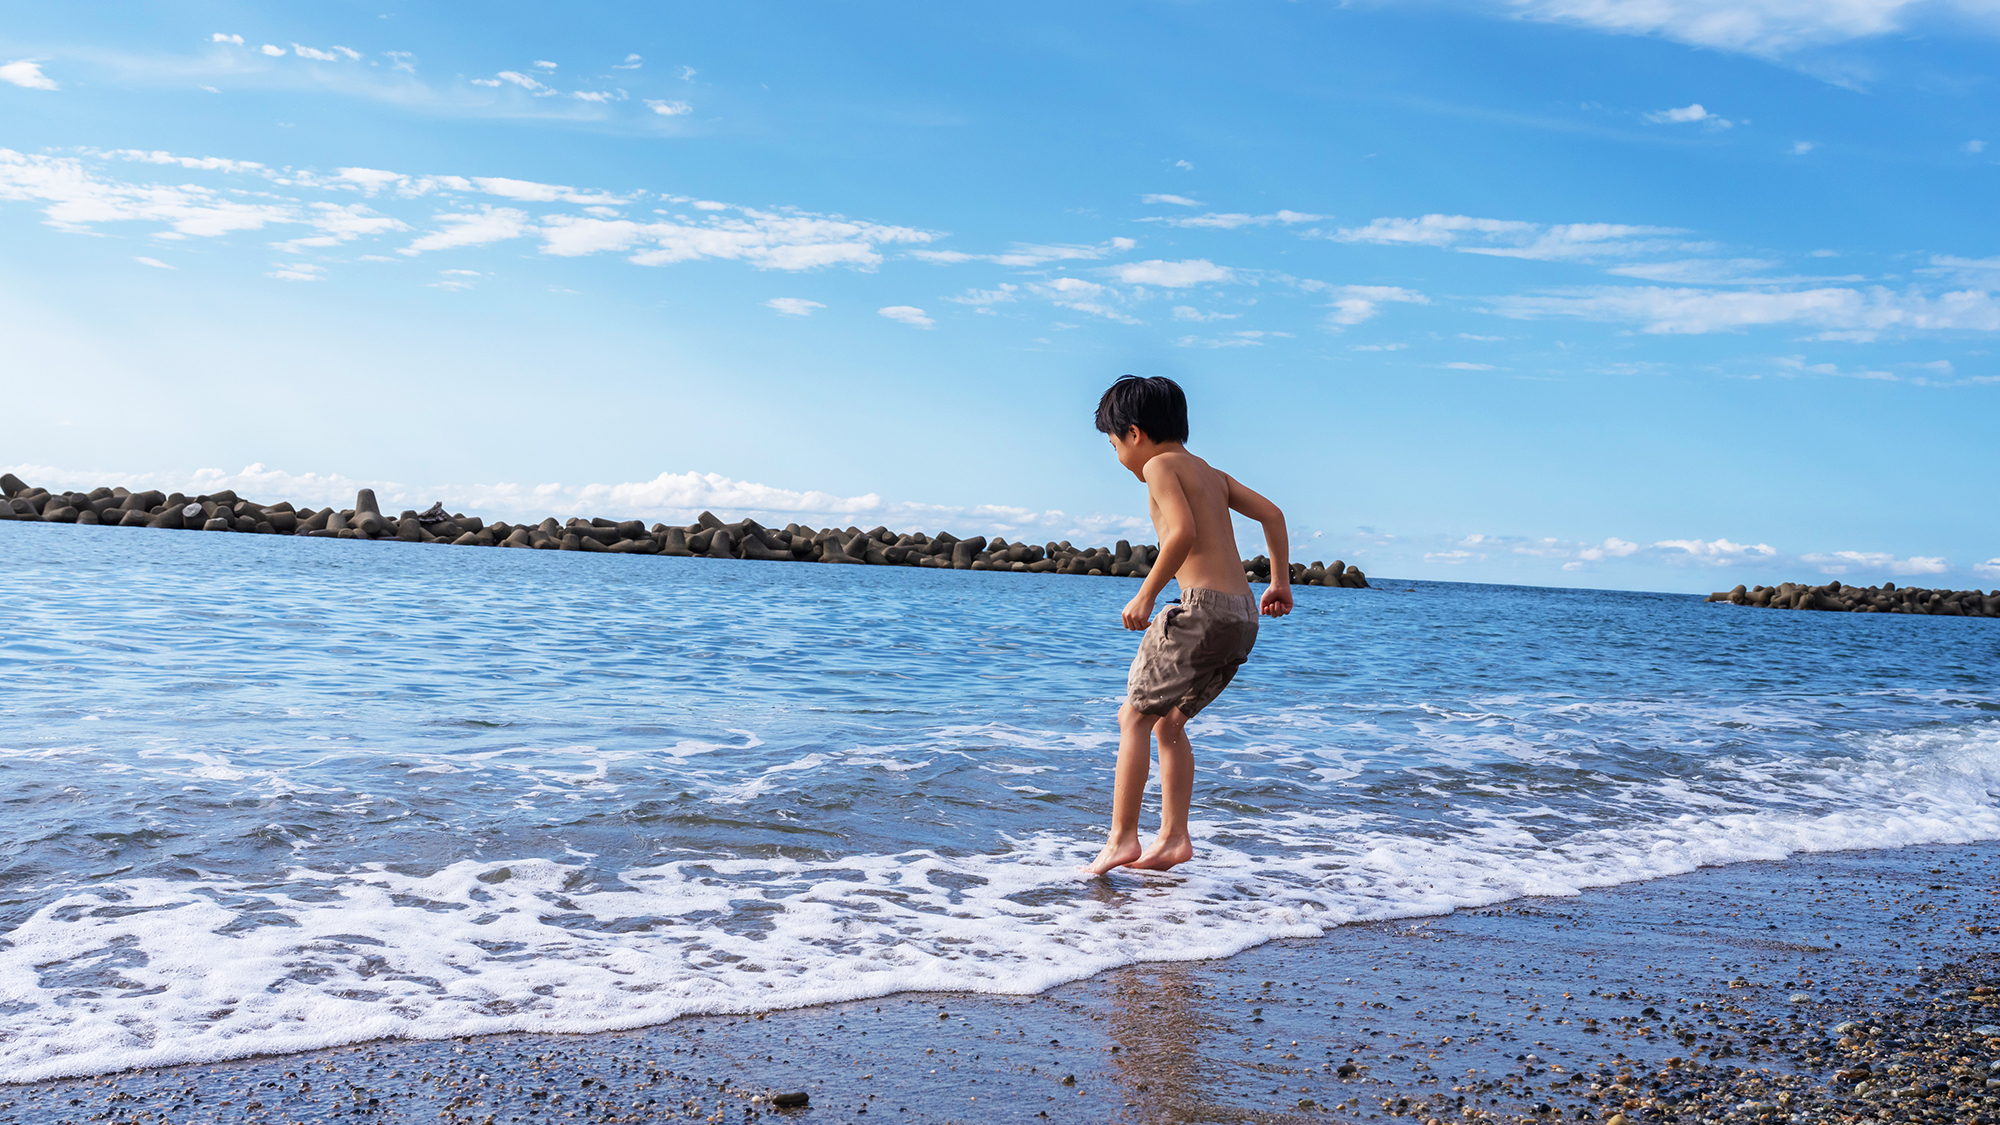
[148,972]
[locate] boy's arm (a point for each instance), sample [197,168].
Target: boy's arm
[1173,518]
[1278,598]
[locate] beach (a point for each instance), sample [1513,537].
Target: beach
[1708,996]
[287,809]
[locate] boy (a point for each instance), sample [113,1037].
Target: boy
[1191,651]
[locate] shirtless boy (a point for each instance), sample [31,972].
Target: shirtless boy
[1191,651]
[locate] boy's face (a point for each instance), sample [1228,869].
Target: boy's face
[1131,449]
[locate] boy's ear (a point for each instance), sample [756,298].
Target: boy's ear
[1133,433]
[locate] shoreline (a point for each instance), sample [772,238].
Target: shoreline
[707,537]
[1752,992]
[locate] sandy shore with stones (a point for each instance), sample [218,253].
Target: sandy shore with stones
[707,537]
[1845,987]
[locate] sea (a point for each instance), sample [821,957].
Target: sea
[269,794]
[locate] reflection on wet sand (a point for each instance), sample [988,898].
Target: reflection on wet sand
[1159,1020]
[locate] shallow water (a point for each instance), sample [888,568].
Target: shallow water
[270,794]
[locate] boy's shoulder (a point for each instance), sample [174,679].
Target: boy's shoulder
[1185,466]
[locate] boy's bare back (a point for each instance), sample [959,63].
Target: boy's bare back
[1183,488]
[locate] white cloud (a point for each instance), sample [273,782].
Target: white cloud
[489,224]
[220,37]
[1482,339]
[907,314]
[1176,200]
[1452,558]
[768,240]
[310,53]
[545,64]
[153,262]
[1700,271]
[1800,148]
[599,96]
[1797,365]
[1232,221]
[793,306]
[272,50]
[1513,238]
[532,85]
[1183,165]
[352,54]
[201,163]
[1990,568]
[1688,114]
[669,109]
[1027,255]
[1461,365]
[1083,296]
[401,60]
[1186,312]
[1378,347]
[1233,340]
[1356,303]
[78,199]
[1713,552]
[297,271]
[687,73]
[27,73]
[1973,147]
[1877,562]
[1851,313]
[1612,547]
[632,62]
[981,298]
[1173,275]
[1759,27]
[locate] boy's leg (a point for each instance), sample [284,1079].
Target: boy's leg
[1135,760]
[1173,846]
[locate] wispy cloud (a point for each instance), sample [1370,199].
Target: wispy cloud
[1841,313]
[1353,304]
[1027,255]
[1758,27]
[669,108]
[1233,220]
[1512,238]
[793,306]
[1688,115]
[1174,275]
[1174,200]
[907,314]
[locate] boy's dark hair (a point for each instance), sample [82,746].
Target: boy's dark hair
[1156,405]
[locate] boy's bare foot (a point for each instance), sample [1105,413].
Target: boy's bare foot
[1117,853]
[1164,855]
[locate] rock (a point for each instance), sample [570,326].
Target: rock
[674,542]
[364,502]
[1801,998]
[722,545]
[87,517]
[167,518]
[217,524]
[708,520]
[792,1100]
[517,538]
[59,513]
[11,485]
[643,546]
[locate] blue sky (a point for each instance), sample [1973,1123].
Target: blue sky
[1663,294]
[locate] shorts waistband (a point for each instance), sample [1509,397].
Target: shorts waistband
[1200,595]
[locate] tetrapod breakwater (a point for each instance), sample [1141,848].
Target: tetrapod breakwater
[1834,597]
[707,537]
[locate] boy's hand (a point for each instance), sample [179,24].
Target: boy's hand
[1138,612]
[1277,600]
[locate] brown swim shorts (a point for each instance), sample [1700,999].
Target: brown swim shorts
[1191,651]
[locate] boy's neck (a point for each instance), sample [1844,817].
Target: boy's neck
[1148,449]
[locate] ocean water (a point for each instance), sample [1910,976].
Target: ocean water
[269,794]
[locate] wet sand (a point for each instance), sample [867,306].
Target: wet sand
[1713,996]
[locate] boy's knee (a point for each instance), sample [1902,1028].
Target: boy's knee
[1173,721]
